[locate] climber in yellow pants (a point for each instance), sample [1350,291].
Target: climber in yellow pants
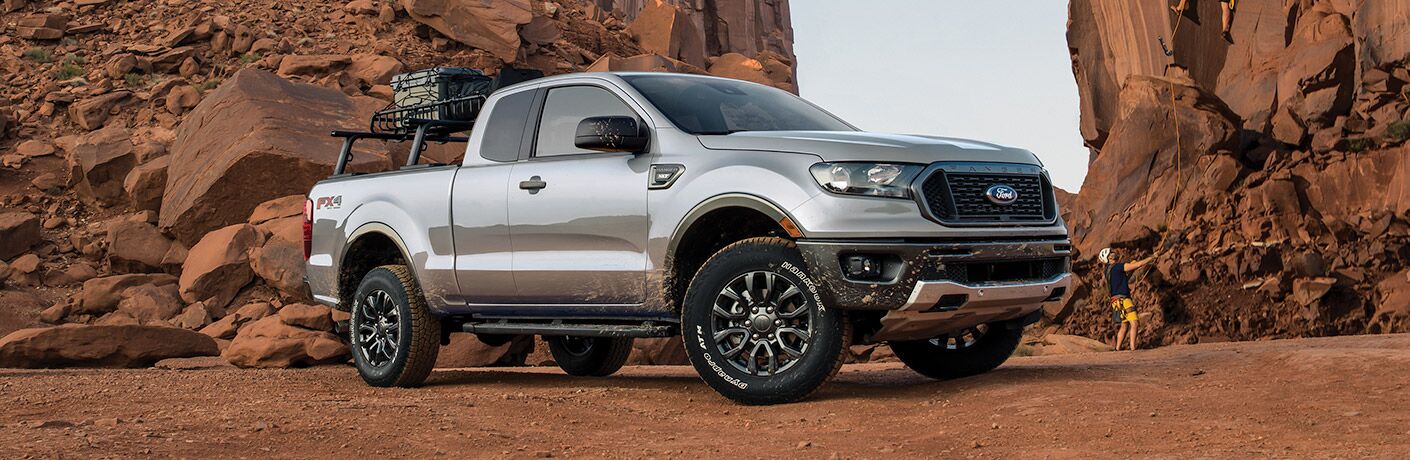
[1123,308]
[1226,7]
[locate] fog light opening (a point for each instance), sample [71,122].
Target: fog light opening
[861,267]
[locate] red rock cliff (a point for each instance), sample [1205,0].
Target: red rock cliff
[1284,196]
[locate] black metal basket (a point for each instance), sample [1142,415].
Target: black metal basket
[404,120]
[439,84]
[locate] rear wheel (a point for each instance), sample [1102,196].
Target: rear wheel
[394,336]
[590,356]
[754,327]
[962,353]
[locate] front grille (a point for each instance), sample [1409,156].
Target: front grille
[974,273]
[954,197]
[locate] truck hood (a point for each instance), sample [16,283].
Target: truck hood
[863,146]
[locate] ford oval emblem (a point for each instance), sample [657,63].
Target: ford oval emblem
[1001,194]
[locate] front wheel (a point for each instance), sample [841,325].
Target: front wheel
[969,351]
[755,327]
[394,336]
[590,356]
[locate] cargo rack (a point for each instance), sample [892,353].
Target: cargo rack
[447,113]
[418,138]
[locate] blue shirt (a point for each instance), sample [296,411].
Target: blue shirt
[1116,278]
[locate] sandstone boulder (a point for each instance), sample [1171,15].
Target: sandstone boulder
[663,28]
[19,231]
[740,67]
[193,317]
[289,206]
[219,265]
[1392,312]
[312,64]
[229,326]
[254,127]
[151,305]
[374,69]
[101,346]
[642,63]
[102,160]
[145,183]
[492,26]
[102,295]
[1308,291]
[92,113]
[42,27]
[136,247]
[270,343]
[541,31]
[315,317]
[279,260]
[182,98]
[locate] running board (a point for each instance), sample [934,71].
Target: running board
[558,328]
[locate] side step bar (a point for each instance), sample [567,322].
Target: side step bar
[559,328]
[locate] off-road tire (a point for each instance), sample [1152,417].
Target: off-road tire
[939,362]
[419,332]
[829,337]
[602,356]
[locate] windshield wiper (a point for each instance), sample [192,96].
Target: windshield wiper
[721,132]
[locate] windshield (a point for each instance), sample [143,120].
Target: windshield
[713,106]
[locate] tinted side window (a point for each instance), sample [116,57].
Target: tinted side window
[504,131]
[567,106]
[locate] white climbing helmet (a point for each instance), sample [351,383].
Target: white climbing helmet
[1105,255]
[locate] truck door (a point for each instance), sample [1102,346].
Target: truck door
[577,218]
[483,261]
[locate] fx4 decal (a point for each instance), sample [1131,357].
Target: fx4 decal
[328,202]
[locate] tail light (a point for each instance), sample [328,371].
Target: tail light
[308,228]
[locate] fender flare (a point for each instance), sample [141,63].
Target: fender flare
[380,229]
[728,200]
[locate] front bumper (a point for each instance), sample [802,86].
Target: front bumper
[930,285]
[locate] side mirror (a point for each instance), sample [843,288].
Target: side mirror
[611,134]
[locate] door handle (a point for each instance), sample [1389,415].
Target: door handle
[533,185]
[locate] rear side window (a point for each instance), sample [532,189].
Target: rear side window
[504,132]
[564,108]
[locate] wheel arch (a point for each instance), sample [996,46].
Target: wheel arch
[372,245]
[701,234]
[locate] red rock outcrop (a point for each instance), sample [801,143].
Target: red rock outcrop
[256,126]
[1289,206]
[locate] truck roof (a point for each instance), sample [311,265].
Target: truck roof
[616,77]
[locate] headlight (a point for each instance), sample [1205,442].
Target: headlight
[872,179]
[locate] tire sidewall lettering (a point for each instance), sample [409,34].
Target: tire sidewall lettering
[807,282]
[710,361]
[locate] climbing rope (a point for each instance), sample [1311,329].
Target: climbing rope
[1175,118]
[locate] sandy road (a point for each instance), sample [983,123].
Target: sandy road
[1333,397]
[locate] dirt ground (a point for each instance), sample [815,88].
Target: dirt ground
[1331,397]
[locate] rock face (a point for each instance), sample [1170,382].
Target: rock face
[491,25]
[256,126]
[1284,200]
[101,346]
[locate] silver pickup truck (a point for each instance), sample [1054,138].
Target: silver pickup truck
[592,209]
